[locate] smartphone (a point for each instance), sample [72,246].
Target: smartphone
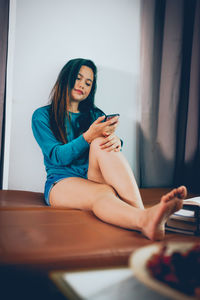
[108,117]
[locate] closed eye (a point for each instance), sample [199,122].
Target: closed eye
[87,83]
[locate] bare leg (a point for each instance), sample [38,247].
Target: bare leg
[102,200]
[112,168]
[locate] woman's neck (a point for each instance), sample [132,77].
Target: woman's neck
[73,107]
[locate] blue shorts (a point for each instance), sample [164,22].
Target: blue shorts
[52,180]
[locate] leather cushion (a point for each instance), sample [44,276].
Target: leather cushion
[37,236]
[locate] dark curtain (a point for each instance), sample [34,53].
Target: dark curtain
[187,163]
[4,20]
[170,95]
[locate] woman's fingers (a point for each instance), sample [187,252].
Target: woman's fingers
[112,121]
[108,130]
[99,120]
[107,144]
[111,143]
[107,139]
[113,147]
[100,128]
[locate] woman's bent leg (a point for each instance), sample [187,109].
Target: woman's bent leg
[112,168]
[84,194]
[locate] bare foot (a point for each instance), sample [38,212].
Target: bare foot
[153,225]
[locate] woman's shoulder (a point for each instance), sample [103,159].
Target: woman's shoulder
[41,113]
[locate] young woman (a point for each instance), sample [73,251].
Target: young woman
[85,167]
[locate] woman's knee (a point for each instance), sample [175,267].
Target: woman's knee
[104,190]
[95,145]
[103,196]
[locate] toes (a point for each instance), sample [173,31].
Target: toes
[169,196]
[165,198]
[172,194]
[182,192]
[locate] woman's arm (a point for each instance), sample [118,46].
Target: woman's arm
[56,152]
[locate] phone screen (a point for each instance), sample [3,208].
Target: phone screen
[108,117]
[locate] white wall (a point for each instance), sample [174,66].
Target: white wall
[47,34]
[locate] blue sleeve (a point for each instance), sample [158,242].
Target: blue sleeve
[57,153]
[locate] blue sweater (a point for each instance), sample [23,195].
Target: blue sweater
[61,158]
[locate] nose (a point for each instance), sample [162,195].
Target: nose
[81,84]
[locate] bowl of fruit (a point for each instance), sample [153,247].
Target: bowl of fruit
[172,269]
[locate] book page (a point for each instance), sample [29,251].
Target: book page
[194,200]
[184,213]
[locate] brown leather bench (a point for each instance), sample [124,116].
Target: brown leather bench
[40,238]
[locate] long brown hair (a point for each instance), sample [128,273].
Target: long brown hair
[59,97]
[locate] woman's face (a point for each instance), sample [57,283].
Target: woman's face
[83,84]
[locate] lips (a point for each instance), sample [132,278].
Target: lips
[79,91]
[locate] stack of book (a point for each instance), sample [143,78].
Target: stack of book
[187,219]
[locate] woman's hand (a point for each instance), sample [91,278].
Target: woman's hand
[100,129]
[111,143]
